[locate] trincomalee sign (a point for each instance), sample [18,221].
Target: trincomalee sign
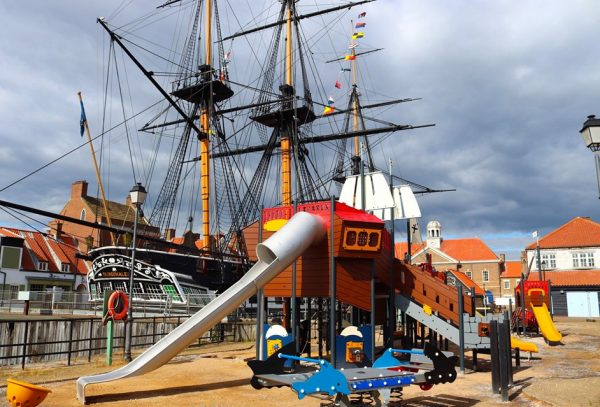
[117,267]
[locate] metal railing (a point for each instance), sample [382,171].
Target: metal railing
[33,340]
[75,303]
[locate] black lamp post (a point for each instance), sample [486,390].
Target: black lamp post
[137,195]
[591,137]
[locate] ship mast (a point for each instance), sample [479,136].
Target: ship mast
[205,128]
[286,173]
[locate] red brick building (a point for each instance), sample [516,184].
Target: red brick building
[84,207]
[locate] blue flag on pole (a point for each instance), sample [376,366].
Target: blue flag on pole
[82,120]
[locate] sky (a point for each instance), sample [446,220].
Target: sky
[507,84]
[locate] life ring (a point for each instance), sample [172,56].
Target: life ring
[117,305]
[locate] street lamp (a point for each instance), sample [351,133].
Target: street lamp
[591,137]
[137,195]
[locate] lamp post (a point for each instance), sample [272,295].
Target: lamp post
[591,137]
[137,195]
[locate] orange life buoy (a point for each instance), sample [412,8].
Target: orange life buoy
[117,305]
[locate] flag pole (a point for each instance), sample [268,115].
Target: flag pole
[104,204]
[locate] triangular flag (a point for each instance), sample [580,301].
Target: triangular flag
[358,35]
[330,101]
[349,57]
[327,110]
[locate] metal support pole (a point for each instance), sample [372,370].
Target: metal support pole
[129,322]
[539,260]
[461,329]
[294,299]
[523,307]
[260,304]
[597,162]
[372,350]
[332,285]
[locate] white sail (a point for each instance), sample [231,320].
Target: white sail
[377,192]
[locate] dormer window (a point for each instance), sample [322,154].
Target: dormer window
[65,267]
[43,266]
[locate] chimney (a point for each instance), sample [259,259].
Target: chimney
[58,230]
[169,234]
[79,189]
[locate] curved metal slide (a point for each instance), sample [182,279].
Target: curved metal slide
[274,255]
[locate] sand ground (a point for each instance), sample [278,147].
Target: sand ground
[217,376]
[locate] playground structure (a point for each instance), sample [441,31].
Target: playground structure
[352,267]
[533,299]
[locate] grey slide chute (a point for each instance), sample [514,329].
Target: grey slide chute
[274,255]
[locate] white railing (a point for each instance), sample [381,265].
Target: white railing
[71,303]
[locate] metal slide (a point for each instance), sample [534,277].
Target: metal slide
[274,255]
[544,320]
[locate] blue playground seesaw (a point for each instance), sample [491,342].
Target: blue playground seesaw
[386,374]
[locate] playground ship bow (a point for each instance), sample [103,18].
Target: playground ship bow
[239,115]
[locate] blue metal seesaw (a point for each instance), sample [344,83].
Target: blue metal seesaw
[385,375]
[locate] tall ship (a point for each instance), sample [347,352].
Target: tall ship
[224,112]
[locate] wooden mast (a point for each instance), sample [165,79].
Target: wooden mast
[205,128]
[286,174]
[98,179]
[355,92]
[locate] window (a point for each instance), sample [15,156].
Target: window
[11,257]
[507,284]
[583,260]
[36,287]
[485,275]
[65,267]
[373,239]
[469,274]
[82,215]
[549,261]
[43,266]
[362,238]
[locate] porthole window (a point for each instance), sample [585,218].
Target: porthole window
[351,238]
[362,238]
[373,239]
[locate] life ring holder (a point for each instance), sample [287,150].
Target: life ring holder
[118,303]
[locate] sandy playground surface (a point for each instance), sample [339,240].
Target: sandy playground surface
[217,376]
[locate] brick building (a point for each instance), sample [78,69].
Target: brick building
[470,256]
[35,261]
[570,260]
[84,207]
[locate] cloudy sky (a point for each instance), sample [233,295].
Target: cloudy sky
[507,83]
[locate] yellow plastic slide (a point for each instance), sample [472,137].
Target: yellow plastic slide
[524,346]
[546,325]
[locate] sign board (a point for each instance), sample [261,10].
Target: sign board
[23,296]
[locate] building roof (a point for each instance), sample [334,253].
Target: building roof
[570,278]
[44,248]
[512,269]
[118,212]
[402,247]
[469,249]
[578,232]
[466,281]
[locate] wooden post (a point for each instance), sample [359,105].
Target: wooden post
[494,357]
[503,344]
